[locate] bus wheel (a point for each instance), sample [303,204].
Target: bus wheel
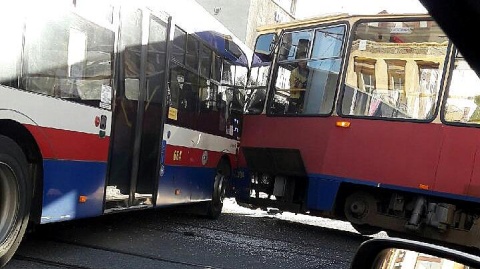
[15,198]
[214,208]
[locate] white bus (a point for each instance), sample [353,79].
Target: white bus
[106,108]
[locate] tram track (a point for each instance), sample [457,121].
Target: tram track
[232,232]
[115,251]
[205,231]
[48,262]
[204,235]
[155,258]
[266,247]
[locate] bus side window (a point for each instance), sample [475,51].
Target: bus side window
[11,49]
[69,58]
[183,96]
[205,61]
[179,45]
[192,57]
[208,95]
[46,53]
[217,68]
[228,73]
[189,94]
[90,62]
[177,77]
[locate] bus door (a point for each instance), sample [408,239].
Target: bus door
[138,113]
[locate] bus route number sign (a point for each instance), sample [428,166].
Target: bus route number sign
[177,155]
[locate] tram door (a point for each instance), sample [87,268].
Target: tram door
[138,112]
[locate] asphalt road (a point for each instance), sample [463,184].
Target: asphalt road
[240,238]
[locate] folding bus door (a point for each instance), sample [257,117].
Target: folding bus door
[138,115]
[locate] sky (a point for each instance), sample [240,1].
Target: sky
[312,8]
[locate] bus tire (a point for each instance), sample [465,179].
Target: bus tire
[214,207]
[15,197]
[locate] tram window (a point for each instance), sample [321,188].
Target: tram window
[205,61]
[179,44]
[252,79]
[257,90]
[192,52]
[11,48]
[383,55]
[295,44]
[463,101]
[257,81]
[328,42]
[307,85]
[263,49]
[263,73]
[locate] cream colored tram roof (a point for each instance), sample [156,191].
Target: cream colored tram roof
[330,18]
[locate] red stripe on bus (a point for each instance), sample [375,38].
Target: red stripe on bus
[70,145]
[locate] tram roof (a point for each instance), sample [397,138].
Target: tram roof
[329,18]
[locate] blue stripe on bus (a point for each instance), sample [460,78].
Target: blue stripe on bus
[240,184]
[64,181]
[323,189]
[191,183]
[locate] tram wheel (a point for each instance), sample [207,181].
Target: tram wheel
[358,207]
[15,197]
[365,229]
[214,207]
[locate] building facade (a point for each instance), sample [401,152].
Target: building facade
[242,17]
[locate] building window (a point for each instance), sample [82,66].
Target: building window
[429,74]
[395,95]
[362,96]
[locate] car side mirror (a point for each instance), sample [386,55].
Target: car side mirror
[407,254]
